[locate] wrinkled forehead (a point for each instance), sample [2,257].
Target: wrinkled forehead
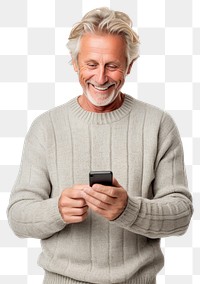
[102,44]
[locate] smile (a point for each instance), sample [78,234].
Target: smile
[102,88]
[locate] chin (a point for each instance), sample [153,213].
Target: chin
[101,102]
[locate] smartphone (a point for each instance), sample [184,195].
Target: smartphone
[101,177]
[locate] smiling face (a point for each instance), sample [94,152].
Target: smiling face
[102,67]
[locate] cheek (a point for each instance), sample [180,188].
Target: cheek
[118,75]
[119,78]
[85,75]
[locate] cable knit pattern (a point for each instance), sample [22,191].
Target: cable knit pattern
[141,145]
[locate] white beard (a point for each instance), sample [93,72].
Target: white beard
[103,102]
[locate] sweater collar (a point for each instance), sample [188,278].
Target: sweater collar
[100,118]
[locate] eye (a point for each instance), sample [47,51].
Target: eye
[91,65]
[112,67]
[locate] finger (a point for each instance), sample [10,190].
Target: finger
[115,182]
[75,191]
[108,190]
[75,211]
[96,202]
[72,203]
[79,186]
[101,196]
[75,219]
[97,209]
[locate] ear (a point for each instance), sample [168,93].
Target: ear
[130,67]
[75,65]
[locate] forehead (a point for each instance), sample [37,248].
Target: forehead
[102,44]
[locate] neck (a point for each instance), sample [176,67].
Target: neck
[87,105]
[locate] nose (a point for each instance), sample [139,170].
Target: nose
[101,76]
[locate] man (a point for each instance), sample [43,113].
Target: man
[101,234]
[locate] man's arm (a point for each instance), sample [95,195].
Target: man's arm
[33,211]
[169,212]
[164,216]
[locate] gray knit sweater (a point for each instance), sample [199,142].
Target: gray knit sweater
[142,146]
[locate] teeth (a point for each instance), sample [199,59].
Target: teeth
[101,88]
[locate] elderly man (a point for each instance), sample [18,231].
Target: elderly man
[100,233]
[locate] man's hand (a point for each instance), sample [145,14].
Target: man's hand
[108,201]
[71,204]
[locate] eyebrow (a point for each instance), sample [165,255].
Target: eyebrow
[90,60]
[117,62]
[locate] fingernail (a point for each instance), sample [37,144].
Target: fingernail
[95,186]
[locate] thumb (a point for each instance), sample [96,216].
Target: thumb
[115,183]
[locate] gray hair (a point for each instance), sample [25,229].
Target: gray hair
[104,20]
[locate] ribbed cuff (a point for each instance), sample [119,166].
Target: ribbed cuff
[50,218]
[55,216]
[128,217]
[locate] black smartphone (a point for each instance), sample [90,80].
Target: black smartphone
[101,177]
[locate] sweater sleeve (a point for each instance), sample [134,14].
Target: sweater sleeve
[170,211]
[32,212]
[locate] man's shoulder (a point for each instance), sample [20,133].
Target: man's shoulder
[152,113]
[50,119]
[52,113]
[142,106]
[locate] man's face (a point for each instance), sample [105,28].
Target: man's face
[102,67]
